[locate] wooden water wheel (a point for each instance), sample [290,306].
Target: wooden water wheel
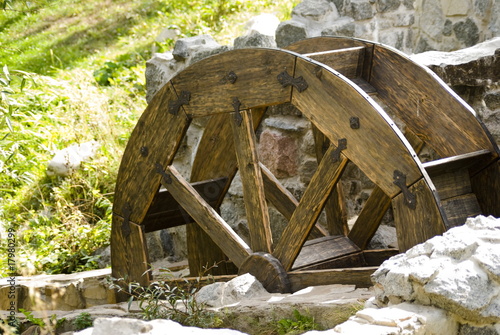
[334,82]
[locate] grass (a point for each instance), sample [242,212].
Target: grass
[71,72]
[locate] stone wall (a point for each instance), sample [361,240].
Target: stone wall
[410,26]
[286,144]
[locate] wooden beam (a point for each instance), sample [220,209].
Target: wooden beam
[352,276]
[303,219]
[251,178]
[205,216]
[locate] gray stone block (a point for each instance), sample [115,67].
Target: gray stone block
[289,32]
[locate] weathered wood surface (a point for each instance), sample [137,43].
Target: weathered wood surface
[214,158]
[165,212]
[129,255]
[353,276]
[474,160]
[459,208]
[206,217]
[486,186]
[452,184]
[335,208]
[322,249]
[283,200]
[155,139]
[329,103]
[254,197]
[414,226]
[376,206]
[421,100]
[304,217]
[369,218]
[268,271]
[348,61]
[326,43]
[256,84]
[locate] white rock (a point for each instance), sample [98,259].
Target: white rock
[457,272]
[69,159]
[264,24]
[231,293]
[123,326]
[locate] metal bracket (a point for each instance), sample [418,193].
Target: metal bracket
[237,115]
[126,211]
[400,181]
[342,144]
[144,151]
[166,178]
[175,105]
[231,77]
[287,80]
[354,122]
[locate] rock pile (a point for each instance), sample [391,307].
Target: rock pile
[448,285]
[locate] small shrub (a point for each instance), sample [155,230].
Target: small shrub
[298,324]
[163,300]
[83,320]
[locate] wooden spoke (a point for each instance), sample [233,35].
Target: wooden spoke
[283,200]
[336,210]
[215,158]
[251,178]
[211,222]
[295,234]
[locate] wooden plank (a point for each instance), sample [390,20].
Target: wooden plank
[319,44]
[421,100]
[129,255]
[378,256]
[351,260]
[256,84]
[165,212]
[283,200]
[378,148]
[376,206]
[335,208]
[459,208]
[295,233]
[464,161]
[251,179]
[206,217]
[325,248]
[155,139]
[452,184]
[214,158]
[365,86]
[326,43]
[348,61]
[352,276]
[417,225]
[485,185]
[369,218]
[277,194]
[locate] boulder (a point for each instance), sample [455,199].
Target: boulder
[474,66]
[457,272]
[234,291]
[123,326]
[69,159]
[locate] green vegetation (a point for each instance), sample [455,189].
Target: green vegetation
[298,324]
[71,72]
[83,320]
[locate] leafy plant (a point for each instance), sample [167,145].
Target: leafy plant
[165,300]
[83,320]
[298,324]
[48,325]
